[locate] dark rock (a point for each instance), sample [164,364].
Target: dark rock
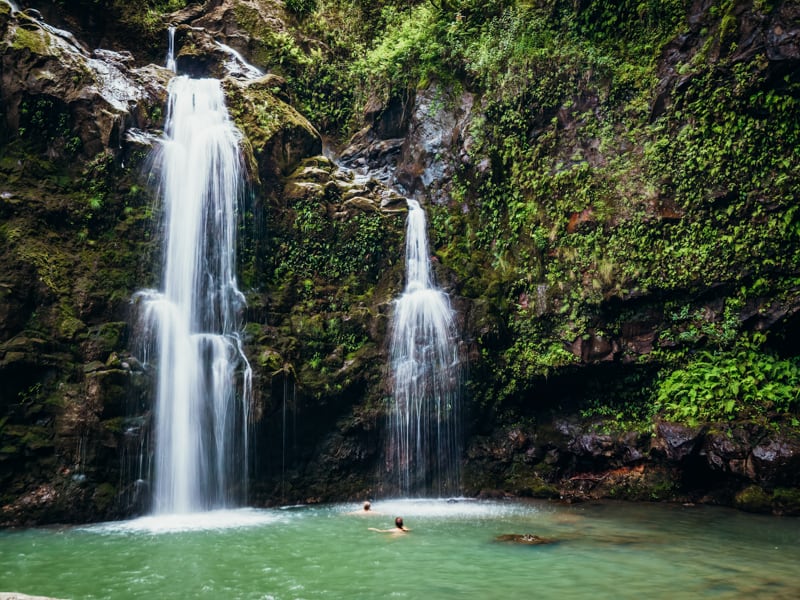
[776,461]
[677,442]
[727,451]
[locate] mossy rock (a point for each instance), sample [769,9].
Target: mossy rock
[103,497]
[753,499]
[99,341]
[524,482]
[279,137]
[270,360]
[786,501]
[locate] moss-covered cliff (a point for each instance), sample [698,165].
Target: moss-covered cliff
[613,196]
[615,199]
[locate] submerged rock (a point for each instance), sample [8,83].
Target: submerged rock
[527,539]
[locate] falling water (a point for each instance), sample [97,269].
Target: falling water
[13,5]
[237,66]
[425,442]
[204,379]
[171,65]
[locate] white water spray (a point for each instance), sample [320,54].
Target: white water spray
[424,448]
[204,379]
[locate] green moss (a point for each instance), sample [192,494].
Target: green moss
[115,425]
[787,500]
[103,497]
[272,50]
[70,326]
[32,437]
[531,484]
[753,499]
[270,360]
[34,40]
[52,263]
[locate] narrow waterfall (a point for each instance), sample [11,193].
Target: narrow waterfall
[171,64]
[204,380]
[424,446]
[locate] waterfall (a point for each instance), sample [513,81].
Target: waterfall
[171,65]
[204,380]
[424,446]
[237,66]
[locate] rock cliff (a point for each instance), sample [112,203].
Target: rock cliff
[598,222]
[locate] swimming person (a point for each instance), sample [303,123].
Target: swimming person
[398,528]
[366,510]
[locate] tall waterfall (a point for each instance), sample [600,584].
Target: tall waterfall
[424,448]
[204,379]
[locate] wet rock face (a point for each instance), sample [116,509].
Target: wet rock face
[68,99]
[418,138]
[212,38]
[321,352]
[436,134]
[75,405]
[66,111]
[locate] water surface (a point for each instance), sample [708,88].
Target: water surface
[604,550]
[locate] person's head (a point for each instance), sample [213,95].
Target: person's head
[399,522]
[367,505]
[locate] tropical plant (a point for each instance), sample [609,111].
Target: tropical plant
[745,382]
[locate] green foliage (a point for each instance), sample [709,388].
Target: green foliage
[326,92]
[46,124]
[403,57]
[301,8]
[536,352]
[316,245]
[745,382]
[622,401]
[638,25]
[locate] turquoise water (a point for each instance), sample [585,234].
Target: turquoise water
[604,550]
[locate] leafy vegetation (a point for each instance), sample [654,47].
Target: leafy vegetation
[595,182]
[744,382]
[313,245]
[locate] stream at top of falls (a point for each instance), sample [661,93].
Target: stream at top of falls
[600,550]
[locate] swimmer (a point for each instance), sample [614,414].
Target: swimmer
[366,510]
[398,527]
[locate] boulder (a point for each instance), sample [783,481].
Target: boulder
[677,442]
